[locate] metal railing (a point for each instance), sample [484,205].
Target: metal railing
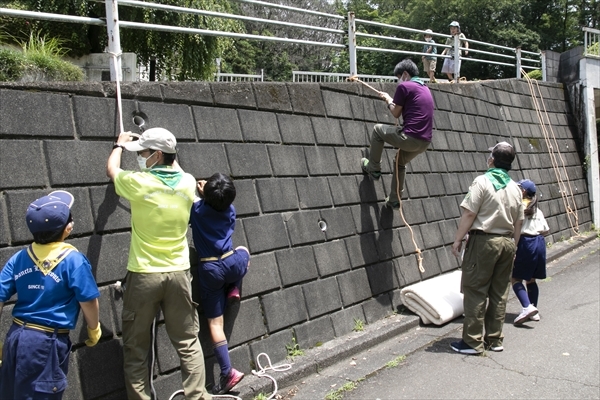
[591,42]
[515,55]
[505,56]
[221,77]
[307,76]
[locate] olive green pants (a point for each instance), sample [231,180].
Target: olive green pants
[408,147]
[486,269]
[144,295]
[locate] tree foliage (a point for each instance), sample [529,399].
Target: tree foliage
[179,56]
[532,24]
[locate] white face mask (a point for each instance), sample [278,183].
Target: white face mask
[142,162]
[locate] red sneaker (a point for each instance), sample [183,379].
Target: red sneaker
[233,294]
[227,382]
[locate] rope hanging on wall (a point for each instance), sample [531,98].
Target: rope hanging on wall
[115,57]
[564,188]
[412,234]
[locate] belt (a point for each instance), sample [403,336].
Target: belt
[39,327]
[480,232]
[527,235]
[230,252]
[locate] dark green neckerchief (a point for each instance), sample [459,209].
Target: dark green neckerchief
[167,175]
[499,177]
[418,80]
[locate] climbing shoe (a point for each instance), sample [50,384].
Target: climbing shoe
[393,204]
[364,164]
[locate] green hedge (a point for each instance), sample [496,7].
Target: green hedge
[32,66]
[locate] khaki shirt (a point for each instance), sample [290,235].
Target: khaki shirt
[497,211]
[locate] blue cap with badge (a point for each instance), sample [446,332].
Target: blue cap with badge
[49,213]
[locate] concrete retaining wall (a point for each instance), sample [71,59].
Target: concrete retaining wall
[294,151]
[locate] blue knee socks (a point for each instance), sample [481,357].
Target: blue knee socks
[533,292]
[521,293]
[222,354]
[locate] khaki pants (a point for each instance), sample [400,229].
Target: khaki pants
[486,269]
[409,148]
[172,292]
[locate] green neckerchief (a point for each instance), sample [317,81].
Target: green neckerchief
[499,177]
[418,80]
[167,175]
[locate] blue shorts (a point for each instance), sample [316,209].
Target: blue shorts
[34,364]
[215,277]
[530,261]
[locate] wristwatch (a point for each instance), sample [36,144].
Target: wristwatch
[117,145]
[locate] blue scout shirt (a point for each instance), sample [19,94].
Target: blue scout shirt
[50,299]
[212,229]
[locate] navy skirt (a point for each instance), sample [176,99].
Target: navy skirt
[530,261]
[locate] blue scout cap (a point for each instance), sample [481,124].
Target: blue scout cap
[49,213]
[528,186]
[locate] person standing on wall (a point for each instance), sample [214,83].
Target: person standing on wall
[52,281]
[448,66]
[492,215]
[414,102]
[158,269]
[429,62]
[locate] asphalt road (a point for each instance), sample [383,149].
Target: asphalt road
[555,358]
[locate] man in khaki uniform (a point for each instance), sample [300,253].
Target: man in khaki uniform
[492,216]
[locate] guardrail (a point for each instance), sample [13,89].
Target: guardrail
[591,42]
[506,56]
[221,77]
[307,76]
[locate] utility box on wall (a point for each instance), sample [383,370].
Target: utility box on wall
[97,66]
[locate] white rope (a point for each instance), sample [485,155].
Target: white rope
[153,357]
[117,65]
[262,371]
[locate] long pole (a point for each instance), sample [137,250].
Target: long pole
[114,49]
[352,43]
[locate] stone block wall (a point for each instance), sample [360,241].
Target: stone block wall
[294,152]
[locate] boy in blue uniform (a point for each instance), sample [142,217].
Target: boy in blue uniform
[221,268]
[53,281]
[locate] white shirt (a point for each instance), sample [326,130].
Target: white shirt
[536,224]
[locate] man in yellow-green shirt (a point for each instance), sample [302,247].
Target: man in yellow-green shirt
[161,196]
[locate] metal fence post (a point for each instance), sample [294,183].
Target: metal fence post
[352,43]
[543,57]
[114,39]
[518,51]
[456,59]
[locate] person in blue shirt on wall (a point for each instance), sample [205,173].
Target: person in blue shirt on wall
[221,267]
[52,281]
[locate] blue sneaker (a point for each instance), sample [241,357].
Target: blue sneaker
[364,164]
[463,348]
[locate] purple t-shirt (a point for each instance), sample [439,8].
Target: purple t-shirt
[417,109]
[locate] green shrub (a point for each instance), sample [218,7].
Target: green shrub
[12,65]
[40,60]
[535,74]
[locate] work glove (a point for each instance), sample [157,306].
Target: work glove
[93,335]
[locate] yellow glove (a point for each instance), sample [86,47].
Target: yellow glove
[93,335]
